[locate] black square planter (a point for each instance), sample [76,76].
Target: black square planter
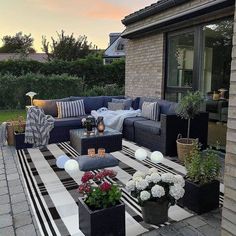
[201,198]
[20,141]
[109,221]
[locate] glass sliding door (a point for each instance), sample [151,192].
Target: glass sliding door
[180,63]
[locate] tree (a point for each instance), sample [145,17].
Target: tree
[18,43]
[67,47]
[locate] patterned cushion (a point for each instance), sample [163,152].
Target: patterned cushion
[113,106]
[127,102]
[70,109]
[150,110]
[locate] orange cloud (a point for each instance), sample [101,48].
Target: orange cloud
[99,9]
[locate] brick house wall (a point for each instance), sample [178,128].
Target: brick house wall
[145,55]
[229,209]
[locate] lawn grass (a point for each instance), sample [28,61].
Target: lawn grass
[8,115]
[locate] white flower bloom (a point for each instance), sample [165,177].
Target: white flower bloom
[148,178]
[167,178]
[176,191]
[136,179]
[155,177]
[158,191]
[178,179]
[145,195]
[152,170]
[139,174]
[130,186]
[142,184]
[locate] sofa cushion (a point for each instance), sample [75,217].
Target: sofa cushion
[93,103]
[146,99]
[70,121]
[129,121]
[149,126]
[127,102]
[113,106]
[151,110]
[70,109]
[49,106]
[109,99]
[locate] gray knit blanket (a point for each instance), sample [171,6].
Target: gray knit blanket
[38,127]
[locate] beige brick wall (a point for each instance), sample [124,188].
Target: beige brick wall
[229,209]
[144,66]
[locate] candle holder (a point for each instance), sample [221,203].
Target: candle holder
[101,152]
[91,152]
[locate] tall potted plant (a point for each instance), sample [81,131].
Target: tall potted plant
[100,210]
[187,109]
[156,192]
[202,187]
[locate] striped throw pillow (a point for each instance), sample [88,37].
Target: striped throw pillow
[70,109]
[150,110]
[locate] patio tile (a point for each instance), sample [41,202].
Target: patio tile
[4,199]
[2,177]
[3,183]
[7,231]
[3,190]
[22,219]
[5,220]
[19,197]
[195,222]
[13,176]
[16,189]
[208,230]
[15,182]
[26,230]
[20,207]
[190,231]
[5,208]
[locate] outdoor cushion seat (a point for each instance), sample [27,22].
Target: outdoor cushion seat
[149,126]
[69,121]
[129,121]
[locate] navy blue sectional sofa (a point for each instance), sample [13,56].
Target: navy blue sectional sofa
[156,135]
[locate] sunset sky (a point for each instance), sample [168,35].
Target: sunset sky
[93,18]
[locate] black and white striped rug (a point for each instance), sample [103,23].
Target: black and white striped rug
[53,196]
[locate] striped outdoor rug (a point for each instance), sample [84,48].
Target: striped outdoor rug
[53,196]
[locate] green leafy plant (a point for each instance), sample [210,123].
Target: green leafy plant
[202,167]
[189,107]
[98,192]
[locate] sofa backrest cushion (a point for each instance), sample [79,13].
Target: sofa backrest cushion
[49,106]
[109,99]
[114,106]
[93,103]
[70,109]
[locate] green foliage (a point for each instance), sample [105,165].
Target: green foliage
[202,167]
[189,105]
[18,43]
[67,47]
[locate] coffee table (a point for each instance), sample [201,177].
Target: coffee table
[110,139]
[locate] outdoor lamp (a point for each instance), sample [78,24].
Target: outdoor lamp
[140,154]
[31,95]
[156,157]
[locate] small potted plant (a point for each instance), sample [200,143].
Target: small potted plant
[156,193]
[100,210]
[187,108]
[202,187]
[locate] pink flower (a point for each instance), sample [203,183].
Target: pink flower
[87,176]
[84,188]
[105,186]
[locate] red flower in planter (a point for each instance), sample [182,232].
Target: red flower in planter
[87,176]
[105,186]
[84,188]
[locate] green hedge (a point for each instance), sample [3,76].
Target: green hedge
[13,88]
[91,69]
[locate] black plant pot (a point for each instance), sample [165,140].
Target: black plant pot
[20,141]
[201,198]
[109,221]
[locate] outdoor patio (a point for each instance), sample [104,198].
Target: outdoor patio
[17,217]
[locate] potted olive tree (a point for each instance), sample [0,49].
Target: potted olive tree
[187,108]
[202,187]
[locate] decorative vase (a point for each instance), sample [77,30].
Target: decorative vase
[155,212]
[100,124]
[108,221]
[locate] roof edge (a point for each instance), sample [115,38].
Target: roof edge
[155,8]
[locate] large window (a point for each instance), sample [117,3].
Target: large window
[199,59]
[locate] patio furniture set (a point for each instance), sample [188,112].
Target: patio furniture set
[159,134]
